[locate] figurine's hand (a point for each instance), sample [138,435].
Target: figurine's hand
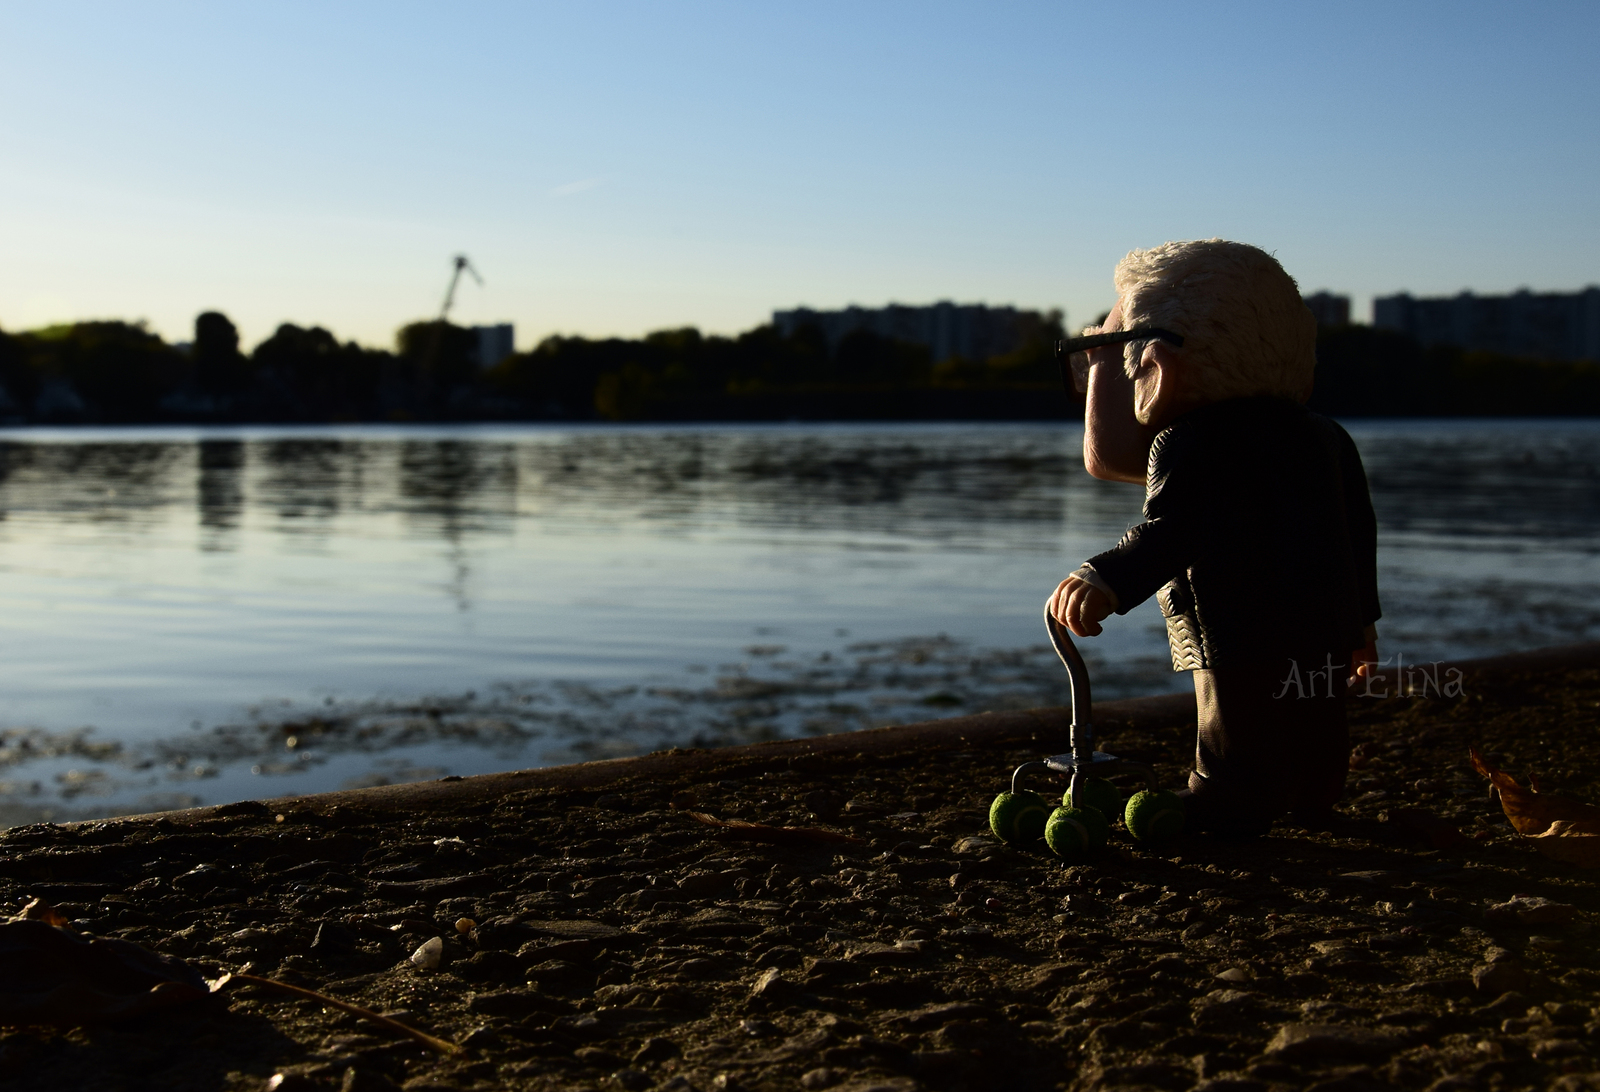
[1364,662]
[1079,605]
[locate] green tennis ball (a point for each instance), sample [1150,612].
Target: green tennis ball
[1154,817]
[1099,794]
[1074,833]
[1018,817]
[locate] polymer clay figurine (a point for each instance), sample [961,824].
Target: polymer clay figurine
[1259,537]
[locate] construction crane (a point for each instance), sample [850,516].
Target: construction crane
[461,262]
[427,361]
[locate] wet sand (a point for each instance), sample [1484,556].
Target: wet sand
[614,941]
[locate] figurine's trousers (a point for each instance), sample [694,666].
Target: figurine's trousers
[1272,740]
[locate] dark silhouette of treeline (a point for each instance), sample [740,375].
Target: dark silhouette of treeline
[1368,372]
[118,372]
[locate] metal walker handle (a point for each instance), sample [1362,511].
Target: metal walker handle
[1083,762]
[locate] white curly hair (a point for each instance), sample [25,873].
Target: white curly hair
[1246,331]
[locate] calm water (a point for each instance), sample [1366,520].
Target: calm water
[195,616]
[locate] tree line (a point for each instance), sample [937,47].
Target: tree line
[119,372]
[1368,372]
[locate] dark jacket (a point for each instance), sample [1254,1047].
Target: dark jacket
[1259,535]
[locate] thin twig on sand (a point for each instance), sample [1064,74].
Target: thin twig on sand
[743,831]
[395,1026]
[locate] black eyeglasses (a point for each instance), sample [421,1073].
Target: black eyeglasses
[1075,375]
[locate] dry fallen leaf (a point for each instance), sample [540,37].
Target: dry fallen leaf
[1573,843]
[1562,829]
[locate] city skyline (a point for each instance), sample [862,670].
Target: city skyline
[625,168]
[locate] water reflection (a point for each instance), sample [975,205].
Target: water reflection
[220,491]
[937,486]
[305,481]
[101,482]
[458,486]
[1496,482]
[476,598]
[1525,480]
[453,488]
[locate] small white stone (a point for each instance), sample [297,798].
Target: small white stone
[429,954]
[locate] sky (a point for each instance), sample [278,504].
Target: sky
[615,168]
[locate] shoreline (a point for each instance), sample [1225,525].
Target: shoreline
[1007,729]
[593,933]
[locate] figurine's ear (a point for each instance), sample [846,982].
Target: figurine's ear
[1156,383]
[1162,354]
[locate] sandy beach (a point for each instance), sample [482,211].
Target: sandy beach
[597,934]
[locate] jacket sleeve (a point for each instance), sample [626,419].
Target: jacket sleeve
[1164,545]
[1363,528]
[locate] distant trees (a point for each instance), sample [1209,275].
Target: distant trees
[219,367]
[1367,372]
[441,362]
[103,371]
[762,375]
[19,382]
[121,372]
[308,375]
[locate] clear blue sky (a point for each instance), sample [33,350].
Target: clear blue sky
[617,168]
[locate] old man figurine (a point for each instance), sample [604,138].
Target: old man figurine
[1259,538]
